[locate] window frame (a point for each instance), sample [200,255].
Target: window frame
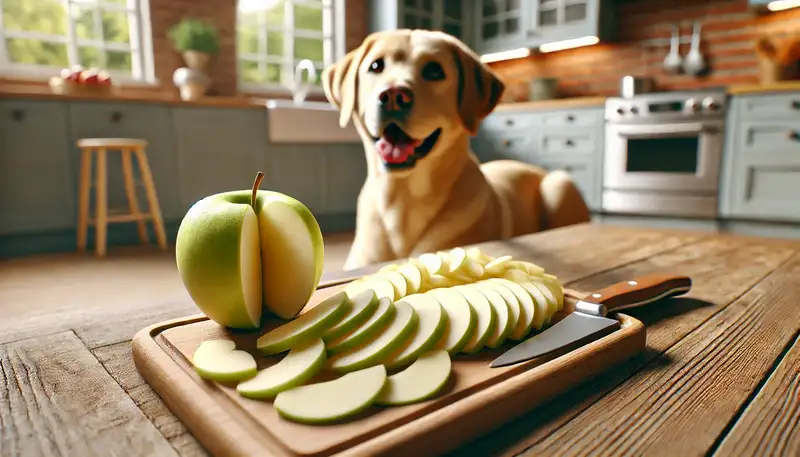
[333,49]
[140,44]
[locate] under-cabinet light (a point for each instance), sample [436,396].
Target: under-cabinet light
[569,44]
[506,55]
[780,5]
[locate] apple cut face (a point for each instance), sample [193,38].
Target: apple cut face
[292,253]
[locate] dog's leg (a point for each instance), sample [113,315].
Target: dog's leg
[370,244]
[563,203]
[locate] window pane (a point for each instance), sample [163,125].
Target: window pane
[115,27]
[83,18]
[89,57]
[116,60]
[452,9]
[308,48]
[43,16]
[273,73]
[275,16]
[308,17]
[247,42]
[275,43]
[250,73]
[21,50]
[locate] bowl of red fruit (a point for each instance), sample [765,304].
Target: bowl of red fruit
[79,81]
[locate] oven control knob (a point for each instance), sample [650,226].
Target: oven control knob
[621,111]
[692,105]
[710,104]
[634,110]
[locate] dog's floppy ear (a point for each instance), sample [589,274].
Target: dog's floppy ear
[479,87]
[340,81]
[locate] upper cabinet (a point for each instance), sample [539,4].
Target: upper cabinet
[498,25]
[449,16]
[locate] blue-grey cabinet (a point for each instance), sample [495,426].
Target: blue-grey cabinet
[219,150]
[149,122]
[450,16]
[37,193]
[761,166]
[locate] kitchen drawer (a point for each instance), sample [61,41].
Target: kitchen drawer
[569,118]
[766,188]
[504,121]
[515,147]
[579,141]
[768,138]
[779,106]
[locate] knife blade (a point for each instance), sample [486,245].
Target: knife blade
[589,322]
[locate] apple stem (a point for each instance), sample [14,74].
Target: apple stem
[256,184]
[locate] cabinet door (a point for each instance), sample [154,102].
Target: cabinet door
[37,191]
[557,20]
[298,171]
[498,25]
[766,187]
[219,150]
[346,171]
[148,122]
[419,14]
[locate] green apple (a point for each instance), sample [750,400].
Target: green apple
[371,352]
[382,287]
[512,302]
[541,305]
[361,308]
[431,321]
[527,307]
[240,251]
[420,381]
[379,319]
[485,318]
[501,323]
[398,282]
[461,320]
[308,325]
[334,400]
[300,364]
[219,360]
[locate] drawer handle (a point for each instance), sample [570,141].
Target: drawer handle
[569,143]
[570,118]
[568,169]
[796,104]
[506,142]
[116,116]
[509,121]
[793,135]
[18,115]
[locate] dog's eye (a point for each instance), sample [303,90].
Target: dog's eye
[376,66]
[432,71]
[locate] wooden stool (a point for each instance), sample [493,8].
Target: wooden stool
[128,147]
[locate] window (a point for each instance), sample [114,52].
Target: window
[275,35]
[41,37]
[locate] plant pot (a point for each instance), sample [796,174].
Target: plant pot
[197,61]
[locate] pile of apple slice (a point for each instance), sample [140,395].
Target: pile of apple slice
[390,336]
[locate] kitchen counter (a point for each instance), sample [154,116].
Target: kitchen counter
[783,86]
[556,103]
[717,376]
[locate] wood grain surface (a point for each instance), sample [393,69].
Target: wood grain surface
[719,376]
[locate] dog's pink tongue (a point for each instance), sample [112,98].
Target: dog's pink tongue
[395,146]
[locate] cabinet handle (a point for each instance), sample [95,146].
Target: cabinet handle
[509,121]
[569,143]
[18,115]
[796,104]
[116,116]
[793,135]
[570,118]
[506,142]
[568,169]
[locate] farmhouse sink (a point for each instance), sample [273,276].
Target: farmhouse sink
[307,122]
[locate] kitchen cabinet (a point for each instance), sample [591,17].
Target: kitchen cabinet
[36,191]
[346,168]
[500,25]
[567,139]
[450,16]
[761,165]
[152,123]
[218,150]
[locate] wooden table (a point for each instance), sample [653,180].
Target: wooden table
[720,376]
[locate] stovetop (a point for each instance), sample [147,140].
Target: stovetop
[668,106]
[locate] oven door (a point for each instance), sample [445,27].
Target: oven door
[669,157]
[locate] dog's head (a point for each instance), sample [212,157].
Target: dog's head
[414,92]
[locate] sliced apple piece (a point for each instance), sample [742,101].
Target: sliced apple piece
[541,305]
[379,319]
[552,302]
[437,281]
[501,312]
[461,320]
[413,276]
[395,335]
[528,267]
[479,256]
[302,363]
[382,287]
[361,308]
[431,321]
[423,271]
[516,275]
[460,263]
[398,282]
[308,325]
[554,284]
[498,266]
[331,401]
[514,308]
[433,263]
[420,381]
[219,360]
[485,318]
[390,267]
[527,307]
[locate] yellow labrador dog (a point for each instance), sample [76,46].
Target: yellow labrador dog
[416,97]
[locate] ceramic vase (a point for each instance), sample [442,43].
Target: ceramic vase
[193,80]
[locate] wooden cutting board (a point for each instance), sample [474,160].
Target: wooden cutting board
[476,400]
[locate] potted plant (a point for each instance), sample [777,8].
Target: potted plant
[196,40]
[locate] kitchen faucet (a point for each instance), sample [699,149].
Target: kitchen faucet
[301,90]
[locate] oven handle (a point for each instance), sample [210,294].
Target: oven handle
[634,131]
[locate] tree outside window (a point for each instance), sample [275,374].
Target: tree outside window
[41,37]
[275,35]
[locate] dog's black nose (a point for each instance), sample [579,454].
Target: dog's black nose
[396,98]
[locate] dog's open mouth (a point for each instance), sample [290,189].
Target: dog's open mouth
[398,150]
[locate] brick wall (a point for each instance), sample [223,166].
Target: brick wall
[729,32]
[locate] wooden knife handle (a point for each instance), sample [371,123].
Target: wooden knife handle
[640,291]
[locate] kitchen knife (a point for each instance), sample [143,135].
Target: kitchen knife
[589,322]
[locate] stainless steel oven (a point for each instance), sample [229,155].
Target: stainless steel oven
[663,153]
